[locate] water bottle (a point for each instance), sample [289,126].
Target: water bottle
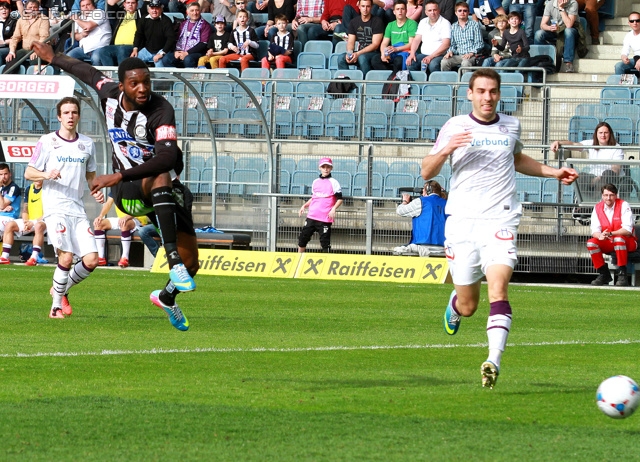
[240,47]
[387,52]
[349,55]
[423,67]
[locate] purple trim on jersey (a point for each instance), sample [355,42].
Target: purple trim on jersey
[482,122]
[68,141]
[501,307]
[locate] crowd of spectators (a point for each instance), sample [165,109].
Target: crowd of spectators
[424,35]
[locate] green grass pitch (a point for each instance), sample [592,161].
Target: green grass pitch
[290,370]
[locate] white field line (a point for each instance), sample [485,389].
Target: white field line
[155,351]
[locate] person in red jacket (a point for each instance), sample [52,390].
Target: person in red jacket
[612,231]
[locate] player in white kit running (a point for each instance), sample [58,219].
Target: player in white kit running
[484,213]
[63,161]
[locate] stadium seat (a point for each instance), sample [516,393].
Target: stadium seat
[436,92]
[285,181]
[239,178]
[405,126]
[511,78]
[174,16]
[374,90]
[306,88]
[582,128]
[345,165]
[360,187]
[440,107]
[432,123]
[17,173]
[192,121]
[311,59]
[615,79]
[246,128]
[217,116]
[301,181]
[29,121]
[207,17]
[508,99]
[394,181]
[444,76]
[251,163]
[376,125]
[529,189]
[308,164]
[621,95]
[625,110]
[284,122]
[623,128]
[224,161]
[405,166]
[344,178]
[320,46]
[286,74]
[309,123]
[42,70]
[599,111]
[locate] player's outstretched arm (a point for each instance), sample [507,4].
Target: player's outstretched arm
[528,166]
[84,71]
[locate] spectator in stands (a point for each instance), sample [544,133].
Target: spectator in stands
[125,223]
[396,42]
[331,20]
[484,12]
[498,58]
[434,33]
[446,8]
[307,21]
[281,46]
[612,231]
[31,222]
[276,8]
[243,44]
[225,8]
[10,196]
[31,27]
[466,41]
[414,10]
[242,5]
[92,32]
[77,8]
[595,176]
[515,39]
[630,47]
[128,19]
[365,37]
[148,233]
[218,44]
[428,218]
[191,43]
[377,9]
[590,8]
[325,199]
[560,22]
[527,9]
[155,37]
[7,26]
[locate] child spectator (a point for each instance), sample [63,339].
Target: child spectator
[495,37]
[325,199]
[281,46]
[243,43]
[516,39]
[241,5]
[217,46]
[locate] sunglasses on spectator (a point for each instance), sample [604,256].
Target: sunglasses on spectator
[462,11]
[634,20]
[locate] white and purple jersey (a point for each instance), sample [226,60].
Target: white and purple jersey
[483,183]
[326,192]
[73,159]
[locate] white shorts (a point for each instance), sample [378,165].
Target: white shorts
[71,234]
[114,221]
[21,232]
[3,222]
[472,245]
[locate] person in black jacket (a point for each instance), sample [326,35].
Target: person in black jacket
[7,26]
[155,37]
[127,20]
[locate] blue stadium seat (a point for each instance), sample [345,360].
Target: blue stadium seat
[321,74]
[309,123]
[251,163]
[379,166]
[405,166]
[311,59]
[284,122]
[405,126]
[246,128]
[29,122]
[344,178]
[599,111]
[224,161]
[320,46]
[511,78]
[374,90]
[582,128]
[192,121]
[340,124]
[441,180]
[386,106]
[615,79]
[621,95]
[239,178]
[440,107]
[346,165]
[625,110]
[432,123]
[376,125]
[353,74]
[288,163]
[437,92]
[219,120]
[197,161]
[207,17]
[306,88]
[529,189]
[308,164]
[174,16]
[17,173]
[43,70]
[301,181]
[394,181]
[285,181]
[509,99]
[359,185]
[192,179]
[623,128]
[444,76]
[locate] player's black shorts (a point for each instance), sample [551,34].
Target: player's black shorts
[129,198]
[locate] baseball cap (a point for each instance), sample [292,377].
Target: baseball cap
[325,161]
[220,18]
[155,3]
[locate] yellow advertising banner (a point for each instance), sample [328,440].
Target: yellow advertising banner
[238,263]
[373,268]
[316,266]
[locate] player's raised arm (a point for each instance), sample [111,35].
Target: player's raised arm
[528,166]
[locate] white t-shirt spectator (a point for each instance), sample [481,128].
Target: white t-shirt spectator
[98,37]
[432,36]
[606,154]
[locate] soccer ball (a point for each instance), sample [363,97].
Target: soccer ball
[618,396]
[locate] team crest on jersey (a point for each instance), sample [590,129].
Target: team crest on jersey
[166,132]
[135,153]
[503,129]
[448,252]
[140,131]
[81,147]
[504,235]
[110,112]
